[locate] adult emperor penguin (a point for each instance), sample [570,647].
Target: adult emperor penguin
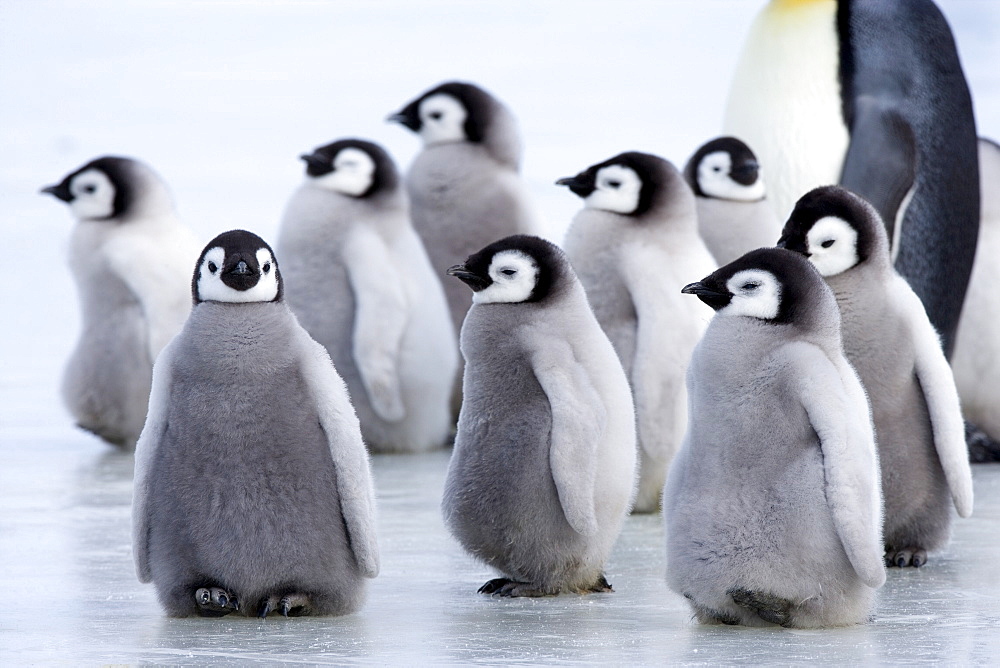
[543,471]
[772,505]
[252,487]
[734,216]
[359,280]
[890,341]
[633,245]
[464,186]
[130,258]
[976,361]
[870,94]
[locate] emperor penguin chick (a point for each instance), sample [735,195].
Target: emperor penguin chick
[772,505]
[464,186]
[252,487]
[890,341]
[130,258]
[543,471]
[734,216]
[633,245]
[359,280]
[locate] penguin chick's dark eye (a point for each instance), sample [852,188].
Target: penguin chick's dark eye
[436,115]
[212,267]
[827,243]
[508,272]
[614,184]
[89,188]
[267,267]
[750,286]
[716,169]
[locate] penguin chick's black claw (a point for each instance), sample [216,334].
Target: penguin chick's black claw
[602,586]
[214,601]
[494,585]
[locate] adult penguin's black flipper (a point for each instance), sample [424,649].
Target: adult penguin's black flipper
[908,108]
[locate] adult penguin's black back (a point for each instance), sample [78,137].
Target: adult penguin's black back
[912,150]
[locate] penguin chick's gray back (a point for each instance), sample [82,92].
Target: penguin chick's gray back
[634,245]
[543,469]
[361,284]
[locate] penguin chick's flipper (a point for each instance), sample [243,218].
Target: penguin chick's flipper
[215,602]
[906,556]
[768,607]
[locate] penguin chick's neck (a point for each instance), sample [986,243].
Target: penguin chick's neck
[256,333]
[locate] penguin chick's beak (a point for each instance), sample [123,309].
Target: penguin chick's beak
[580,186]
[407,120]
[786,242]
[61,191]
[316,162]
[711,296]
[240,276]
[745,174]
[473,280]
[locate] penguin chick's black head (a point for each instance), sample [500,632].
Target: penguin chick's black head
[477,102]
[322,161]
[652,171]
[832,202]
[118,172]
[518,268]
[771,284]
[743,166]
[237,266]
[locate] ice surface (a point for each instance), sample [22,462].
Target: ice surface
[220,98]
[71,593]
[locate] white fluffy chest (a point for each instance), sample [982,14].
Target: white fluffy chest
[785,102]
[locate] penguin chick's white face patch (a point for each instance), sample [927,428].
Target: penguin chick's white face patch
[715,181]
[93,195]
[756,293]
[616,189]
[212,288]
[442,119]
[352,175]
[832,245]
[514,276]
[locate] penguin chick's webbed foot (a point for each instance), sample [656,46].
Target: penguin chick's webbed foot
[906,556]
[768,607]
[602,586]
[507,588]
[982,448]
[291,605]
[215,602]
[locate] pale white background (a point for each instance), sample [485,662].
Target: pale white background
[221,98]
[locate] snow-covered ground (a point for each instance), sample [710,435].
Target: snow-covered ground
[221,97]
